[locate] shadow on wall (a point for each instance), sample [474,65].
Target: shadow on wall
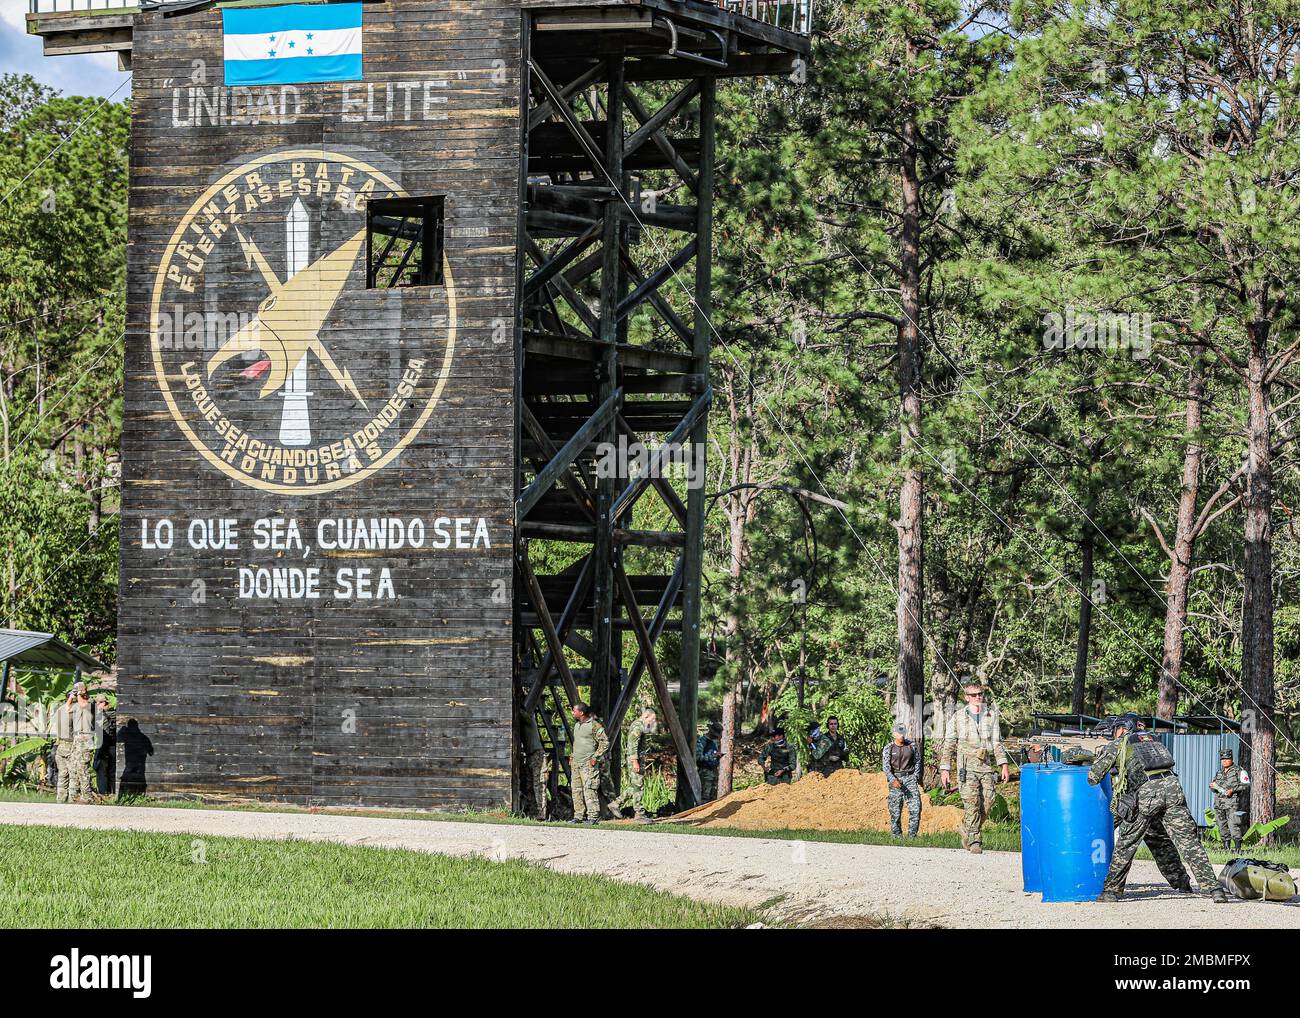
[136,748]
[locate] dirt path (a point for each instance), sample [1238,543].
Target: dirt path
[812,881]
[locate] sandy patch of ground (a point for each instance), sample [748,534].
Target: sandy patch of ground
[846,801]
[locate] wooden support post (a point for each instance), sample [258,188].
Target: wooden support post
[604,666]
[695,503]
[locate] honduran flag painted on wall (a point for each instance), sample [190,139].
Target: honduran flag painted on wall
[292,43]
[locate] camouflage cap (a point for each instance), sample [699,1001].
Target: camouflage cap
[715,727]
[1128,721]
[1225,753]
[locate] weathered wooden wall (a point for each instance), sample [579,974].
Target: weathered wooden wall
[403,700]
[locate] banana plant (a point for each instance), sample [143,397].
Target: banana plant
[10,757]
[1258,832]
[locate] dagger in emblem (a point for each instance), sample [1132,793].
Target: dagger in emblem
[295,416]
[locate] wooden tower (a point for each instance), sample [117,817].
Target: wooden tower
[408,353]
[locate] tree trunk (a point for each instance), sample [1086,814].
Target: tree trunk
[1180,565]
[1085,617]
[727,761]
[1257,606]
[909,708]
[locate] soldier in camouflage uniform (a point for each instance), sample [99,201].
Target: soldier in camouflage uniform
[975,736]
[1147,797]
[830,752]
[1227,787]
[73,726]
[901,764]
[634,746]
[536,764]
[778,759]
[707,755]
[590,743]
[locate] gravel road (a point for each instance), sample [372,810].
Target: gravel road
[815,883]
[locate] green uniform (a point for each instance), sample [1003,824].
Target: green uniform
[1143,771]
[976,741]
[536,764]
[74,728]
[782,758]
[829,753]
[634,753]
[1228,785]
[706,763]
[590,743]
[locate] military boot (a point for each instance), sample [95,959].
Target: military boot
[1236,846]
[1108,896]
[1218,897]
[975,849]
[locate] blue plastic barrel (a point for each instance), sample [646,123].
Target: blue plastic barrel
[1073,833]
[1029,865]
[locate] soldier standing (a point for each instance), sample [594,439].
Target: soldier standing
[777,759]
[830,753]
[1226,786]
[706,761]
[645,725]
[106,754]
[590,743]
[901,764]
[535,762]
[1147,796]
[73,725]
[976,738]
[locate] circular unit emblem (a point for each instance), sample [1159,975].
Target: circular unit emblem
[276,362]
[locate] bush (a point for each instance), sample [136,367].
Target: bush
[864,718]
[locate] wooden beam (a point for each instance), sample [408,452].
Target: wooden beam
[587,350]
[661,485]
[656,630]
[585,140]
[650,285]
[570,451]
[661,117]
[572,609]
[557,262]
[584,534]
[546,108]
[581,492]
[699,409]
[662,143]
[693,555]
[554,644]
[684,746]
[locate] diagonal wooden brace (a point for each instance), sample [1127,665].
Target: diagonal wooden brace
[569,452]
[685,748]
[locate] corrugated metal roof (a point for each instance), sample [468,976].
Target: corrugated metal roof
[43,650]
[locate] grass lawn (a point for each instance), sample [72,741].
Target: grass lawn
[69,878]
[997,837]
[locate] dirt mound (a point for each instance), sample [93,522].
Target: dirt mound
[846,801]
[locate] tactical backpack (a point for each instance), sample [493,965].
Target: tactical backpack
[1256,879]
[1151,753]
